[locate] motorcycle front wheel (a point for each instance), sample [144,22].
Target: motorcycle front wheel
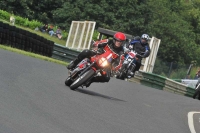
[82,79]
[68,81]
[121,75]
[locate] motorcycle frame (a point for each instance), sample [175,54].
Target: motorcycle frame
[87,68]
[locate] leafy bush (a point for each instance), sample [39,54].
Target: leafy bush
[25,22]
[20,21]
[179,74]
[65,35]
[5,15]
[33,24]
[95,35]
[172,70]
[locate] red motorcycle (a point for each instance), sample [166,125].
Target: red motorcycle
[89,68]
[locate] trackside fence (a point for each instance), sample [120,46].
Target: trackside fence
[63,53]
[162,83]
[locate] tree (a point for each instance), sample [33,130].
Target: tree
[175,22]
[176,33]
[108,14]
[17,7]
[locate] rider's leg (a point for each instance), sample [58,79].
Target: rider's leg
[84,54]
[103,78]
[137,67]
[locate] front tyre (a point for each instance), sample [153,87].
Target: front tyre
[82,79]
[68,81]
[121,75]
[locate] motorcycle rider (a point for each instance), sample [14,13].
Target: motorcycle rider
[197,92]
[197,75]
[115,45]
[141,47]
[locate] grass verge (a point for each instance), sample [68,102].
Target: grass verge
[45,35]
[32,55]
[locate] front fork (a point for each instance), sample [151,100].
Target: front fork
[77,73]
[131,66]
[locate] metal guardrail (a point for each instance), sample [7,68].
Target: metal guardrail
[162,83]
[63,53]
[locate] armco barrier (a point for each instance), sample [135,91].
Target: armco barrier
[189,91]
[175,87]
[162,83]
[153,80]
[63,53]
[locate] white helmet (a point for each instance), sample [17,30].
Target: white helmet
[145,36]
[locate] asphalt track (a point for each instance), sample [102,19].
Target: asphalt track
[34,99]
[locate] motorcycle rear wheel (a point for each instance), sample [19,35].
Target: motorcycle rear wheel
[82,79]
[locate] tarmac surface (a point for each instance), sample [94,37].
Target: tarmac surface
[34,99]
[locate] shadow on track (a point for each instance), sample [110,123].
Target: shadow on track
[97,94]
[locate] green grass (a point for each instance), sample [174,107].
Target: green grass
[32,55]
[45,35]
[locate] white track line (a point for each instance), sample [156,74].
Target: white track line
[191,121]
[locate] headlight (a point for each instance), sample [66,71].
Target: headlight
[125,62]
[103,62]
[129,60]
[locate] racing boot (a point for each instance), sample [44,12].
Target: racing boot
[95,79]
[98,79]
[89,82]
[73,64]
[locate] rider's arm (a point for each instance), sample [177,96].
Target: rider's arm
[118,61]
[101,43]
[125,49]
[147,51]
[133,42]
